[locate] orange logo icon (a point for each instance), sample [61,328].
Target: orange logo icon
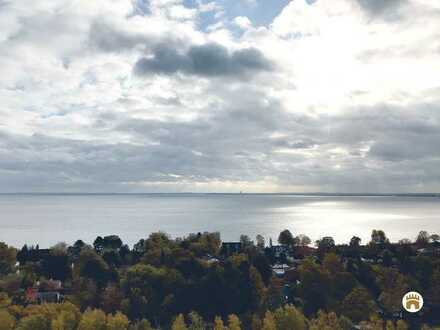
[412,302]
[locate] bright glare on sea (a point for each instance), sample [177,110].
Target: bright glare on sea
[48,219]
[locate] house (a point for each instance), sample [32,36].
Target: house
[279,250]
[49,297]
[429,251]
[280,269]
[229,248]
[209,259]
[48,291]
[305,251]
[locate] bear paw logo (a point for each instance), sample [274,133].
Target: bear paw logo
[412,302]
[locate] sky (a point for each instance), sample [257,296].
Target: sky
[220,96]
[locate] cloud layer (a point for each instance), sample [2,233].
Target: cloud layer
[202,96]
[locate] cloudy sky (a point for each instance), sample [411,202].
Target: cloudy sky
[220,95]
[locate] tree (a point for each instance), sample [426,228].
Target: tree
[143,325]
[179,323]
[286,238]
[148,291]
[332,263]
[275,293]
[325,245]
[196,321]
[303,240]
[91,265]
[218,323]
[258,290]
[328,321]
[260,242]
[375,323]
[422,239]
[111,299]
[393,287]
[288,317]
[355,242]
[358,305]
[7,321]
[234,322]
[401,325]
[34,322]
[117,321]
[262,264]
[378,237]
[8,259]
[269,322]
[57,265]
[246,242]
[64,321]
[435,238]
[434,289]
[314,286]
[256,323]
[93,319]
[67,318]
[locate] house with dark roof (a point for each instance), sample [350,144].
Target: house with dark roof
[229,248]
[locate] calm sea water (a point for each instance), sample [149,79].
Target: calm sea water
[48,219]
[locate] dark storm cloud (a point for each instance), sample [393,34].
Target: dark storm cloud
[235,143]
[204,60]
[104,36]
[380,6]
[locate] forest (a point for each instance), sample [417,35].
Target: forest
[199,282]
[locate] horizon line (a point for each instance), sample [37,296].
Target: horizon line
[425,194]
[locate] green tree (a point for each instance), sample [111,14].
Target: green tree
[7,321]
[143,325]
[256,323]
[332,263]
[91,265]
[269,322]
[327,321]
[358,305]
[258,290]
[117,321]
[218,323]
[64,321]
[288,317]
[8,258]
[423,238]
[234,322]
[401,325]
[314,286]
[375,323]
[34,322]
[5,301]
[393,287]
[67,317]
[303,240]
[93,319]
[148,291]
[378,237]
[196,321]
[111,299]
[260,242]
[179,323]
[433,295]
[286,238]
[325,245]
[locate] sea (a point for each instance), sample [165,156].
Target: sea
[46,219]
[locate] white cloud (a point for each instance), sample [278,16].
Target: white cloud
[243,22]
[350,102]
